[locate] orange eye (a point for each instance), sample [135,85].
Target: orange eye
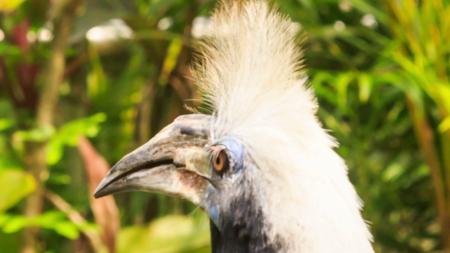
[220,161]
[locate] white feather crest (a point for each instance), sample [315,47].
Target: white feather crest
[250,73]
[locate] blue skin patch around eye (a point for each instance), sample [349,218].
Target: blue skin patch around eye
[235,150]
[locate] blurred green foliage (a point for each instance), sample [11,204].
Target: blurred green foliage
[380,70]
[191,235]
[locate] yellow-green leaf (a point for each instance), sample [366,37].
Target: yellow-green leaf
[171,59]
[9,5]
[170,234]
[444,126]
[16,185]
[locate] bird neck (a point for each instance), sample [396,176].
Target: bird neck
[243,229]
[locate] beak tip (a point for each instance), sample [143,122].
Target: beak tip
[99,193]
[101,189]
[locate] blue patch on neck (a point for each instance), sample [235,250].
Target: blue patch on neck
[214,215]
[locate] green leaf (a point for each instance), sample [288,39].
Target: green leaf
[5,124]
[365,86]
[170,60]
[67,229]
[53,220]
[342,83]
[9,50]
[35,134]
[166,235]
[69,134]
[10,5]
[444,126]
[16,185]
[16,223]
[97,80]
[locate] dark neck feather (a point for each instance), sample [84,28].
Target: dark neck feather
[243,229]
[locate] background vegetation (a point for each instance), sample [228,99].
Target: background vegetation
[82,82]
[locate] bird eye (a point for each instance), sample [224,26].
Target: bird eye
[220,161]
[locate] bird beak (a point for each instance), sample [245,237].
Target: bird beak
[174,162]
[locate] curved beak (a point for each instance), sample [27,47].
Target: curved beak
[175,162]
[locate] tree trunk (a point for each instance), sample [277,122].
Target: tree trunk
[63,13]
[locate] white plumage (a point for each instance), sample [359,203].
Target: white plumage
[250,72]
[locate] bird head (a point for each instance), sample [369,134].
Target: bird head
[182,160]
[260,164]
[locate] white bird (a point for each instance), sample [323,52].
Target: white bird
[260,165]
